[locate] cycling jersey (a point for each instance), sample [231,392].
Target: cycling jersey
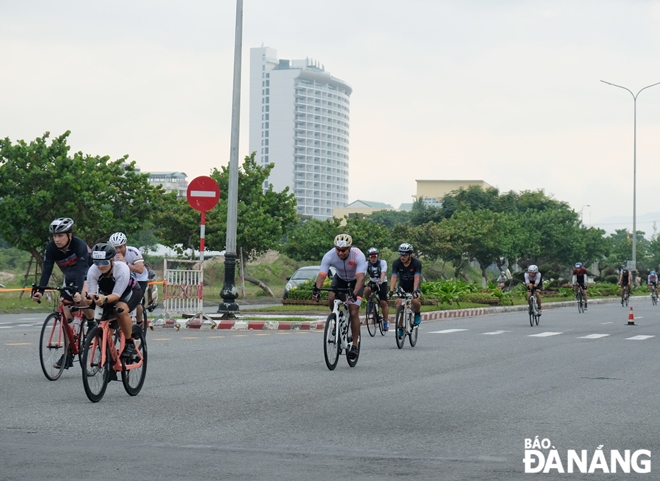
[536,281]
[580,276]
[652,279]
[132,257]
[625,278]
[376,270]
[346,269]
[73,262]
[119,282]
[406,274]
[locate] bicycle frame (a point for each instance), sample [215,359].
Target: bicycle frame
[109,346]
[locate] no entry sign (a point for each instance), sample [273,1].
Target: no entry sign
[203,193]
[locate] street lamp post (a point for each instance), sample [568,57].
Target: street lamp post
[582,212]
[228,307]
[634,96]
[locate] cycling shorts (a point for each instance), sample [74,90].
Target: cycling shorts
[337,282]
[382,291]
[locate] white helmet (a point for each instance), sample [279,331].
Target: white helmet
[343,240]
[532,268]
[117,239]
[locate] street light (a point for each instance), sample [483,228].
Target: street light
[582,212]
[634,96]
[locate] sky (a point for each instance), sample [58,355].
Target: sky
[505,91]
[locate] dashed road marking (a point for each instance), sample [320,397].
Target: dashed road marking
[494,333]
[447,331]
[545,334]
[593,336]
[638,338]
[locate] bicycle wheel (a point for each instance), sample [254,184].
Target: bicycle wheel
[380,324]
[412,337]
[52,346]
[95,376]
[133,379]
[145,320]
[627,298]
[330,342]
[399,326]
[654,298]
[371,317]
[531,312]
[580,302]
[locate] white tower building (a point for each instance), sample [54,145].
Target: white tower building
[299,120]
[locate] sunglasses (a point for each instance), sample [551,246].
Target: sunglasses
[345,249]
[102,263]
[373,255]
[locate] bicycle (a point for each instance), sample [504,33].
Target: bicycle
[60,341]
[405,320]
[534,314]
[625,295]
[335,335]
[101,358]
[373,317]
[654,295]
[580,299]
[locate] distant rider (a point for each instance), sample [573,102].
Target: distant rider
[377,273]
[533,282]
[580,279]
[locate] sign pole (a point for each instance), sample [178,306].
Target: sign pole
[202,228]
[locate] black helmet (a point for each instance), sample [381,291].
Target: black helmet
[103,252]
[373,250]
[405,248]
[61,225]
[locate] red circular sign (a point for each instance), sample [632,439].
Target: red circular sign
[203,193]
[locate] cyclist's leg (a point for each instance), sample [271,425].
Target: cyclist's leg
[384,306]
[584,294]
[416,307]
[538,299]
[140,306]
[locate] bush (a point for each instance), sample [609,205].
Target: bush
[480,297]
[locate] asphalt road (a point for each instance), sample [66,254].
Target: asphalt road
[262,404]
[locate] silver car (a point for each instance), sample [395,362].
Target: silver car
[307,273]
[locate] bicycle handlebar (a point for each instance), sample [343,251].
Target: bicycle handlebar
[36,288]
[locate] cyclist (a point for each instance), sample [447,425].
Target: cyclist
[580,279]
[133,259]
[408,270]
[377,273]
[625,280]
[533,281]
[652,281]
[351,266]
[112,283]
[71,254]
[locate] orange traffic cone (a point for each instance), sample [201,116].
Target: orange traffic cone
[631,318]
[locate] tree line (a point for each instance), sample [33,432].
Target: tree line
[42,180]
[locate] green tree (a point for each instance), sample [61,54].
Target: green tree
[263,215]
[41,181]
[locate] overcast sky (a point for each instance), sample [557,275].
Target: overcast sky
[506,91]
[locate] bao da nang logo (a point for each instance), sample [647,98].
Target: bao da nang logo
[542,457]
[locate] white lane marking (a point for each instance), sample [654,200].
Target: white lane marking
[545,334]
[494,333]
[447,331]
[593,336]
[607,323]
[638,338]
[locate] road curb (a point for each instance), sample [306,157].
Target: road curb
[318,325]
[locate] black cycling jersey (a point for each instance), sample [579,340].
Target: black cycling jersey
[406,275]
[73,262]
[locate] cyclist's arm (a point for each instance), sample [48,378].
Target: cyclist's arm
[47,268]
[417,281]
[383,271]
[81,265]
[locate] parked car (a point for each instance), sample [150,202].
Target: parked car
[307,273]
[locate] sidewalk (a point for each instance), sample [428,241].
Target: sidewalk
[317,321]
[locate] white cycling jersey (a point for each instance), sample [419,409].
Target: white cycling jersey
[346,269]
[134,256]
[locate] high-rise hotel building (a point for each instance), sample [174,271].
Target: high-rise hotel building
[299,120]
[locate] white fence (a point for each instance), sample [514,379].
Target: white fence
[183,294]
